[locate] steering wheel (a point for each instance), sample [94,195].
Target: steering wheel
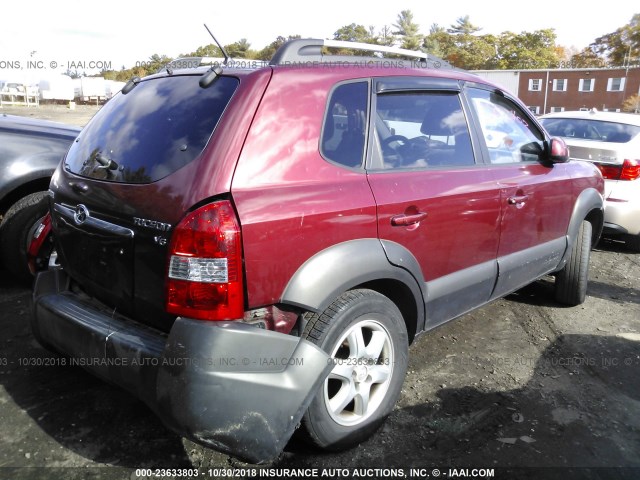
[395,138]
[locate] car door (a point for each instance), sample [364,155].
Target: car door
[536,196]
[433,200]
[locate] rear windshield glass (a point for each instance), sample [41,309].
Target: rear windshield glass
[149,133]
[585,129]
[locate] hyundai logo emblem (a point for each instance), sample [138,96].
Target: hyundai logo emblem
[81,214]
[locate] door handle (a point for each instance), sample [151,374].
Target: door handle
[405,220]
[518,199]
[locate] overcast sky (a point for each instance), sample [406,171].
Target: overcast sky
[125,32]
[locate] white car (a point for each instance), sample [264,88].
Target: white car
[612,142]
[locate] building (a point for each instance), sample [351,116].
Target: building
[557,90]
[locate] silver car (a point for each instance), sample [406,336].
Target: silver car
[610,140]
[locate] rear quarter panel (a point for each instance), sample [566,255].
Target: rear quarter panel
[292,203]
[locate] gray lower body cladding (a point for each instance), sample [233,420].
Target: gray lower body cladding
[230,386]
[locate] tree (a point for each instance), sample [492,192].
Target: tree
[621,46]
[267,52]
[460,47]
[354,33]
[587,58]
[210,50]
[386,36]
[240,49]
[469,51]
[463,26]
[527,50]
[435,28]
[632,104]
[156,62]
[438,41]
[408,30]
[72,73]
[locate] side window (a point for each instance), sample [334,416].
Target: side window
[424,129]
[345,123]
[506,129]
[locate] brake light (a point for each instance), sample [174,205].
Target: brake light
[204,278]
[37,241]
[629,170]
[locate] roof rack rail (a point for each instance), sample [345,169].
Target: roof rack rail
[310,50]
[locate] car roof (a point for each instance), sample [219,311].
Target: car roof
[618,117]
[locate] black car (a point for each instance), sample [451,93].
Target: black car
[30,150]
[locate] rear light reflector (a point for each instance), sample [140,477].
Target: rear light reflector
[208,270]
[204,278]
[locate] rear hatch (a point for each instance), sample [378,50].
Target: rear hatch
[125,183]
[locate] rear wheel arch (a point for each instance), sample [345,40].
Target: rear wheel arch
[352,265]
[589,206]
[596,219]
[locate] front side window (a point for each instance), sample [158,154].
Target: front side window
[508,133]
[343,134]
[421,130]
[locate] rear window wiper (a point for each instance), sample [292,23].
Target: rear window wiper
[105,163]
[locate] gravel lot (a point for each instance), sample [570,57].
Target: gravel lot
[79,115]
[523,386]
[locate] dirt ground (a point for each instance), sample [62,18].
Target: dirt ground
[79,115]
[523,386]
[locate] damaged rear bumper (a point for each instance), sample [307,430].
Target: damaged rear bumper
[230,386]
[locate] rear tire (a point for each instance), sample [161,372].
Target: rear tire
[572,280]
[15,228]
[366,337]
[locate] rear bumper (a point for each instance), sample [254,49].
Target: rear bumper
[622,217]
[622,208]
[230,386]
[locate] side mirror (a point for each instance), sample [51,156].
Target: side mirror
[558,151]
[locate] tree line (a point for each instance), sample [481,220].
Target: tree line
[462,44]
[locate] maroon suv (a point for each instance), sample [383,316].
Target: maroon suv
[248,250]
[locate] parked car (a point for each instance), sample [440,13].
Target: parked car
[248,250]
[30,151]
[611,141]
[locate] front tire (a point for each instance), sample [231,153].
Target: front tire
[17,224]
[572,280]
[366,337]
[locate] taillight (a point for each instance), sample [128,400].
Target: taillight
[629,170]
[36,243]
[204,279]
